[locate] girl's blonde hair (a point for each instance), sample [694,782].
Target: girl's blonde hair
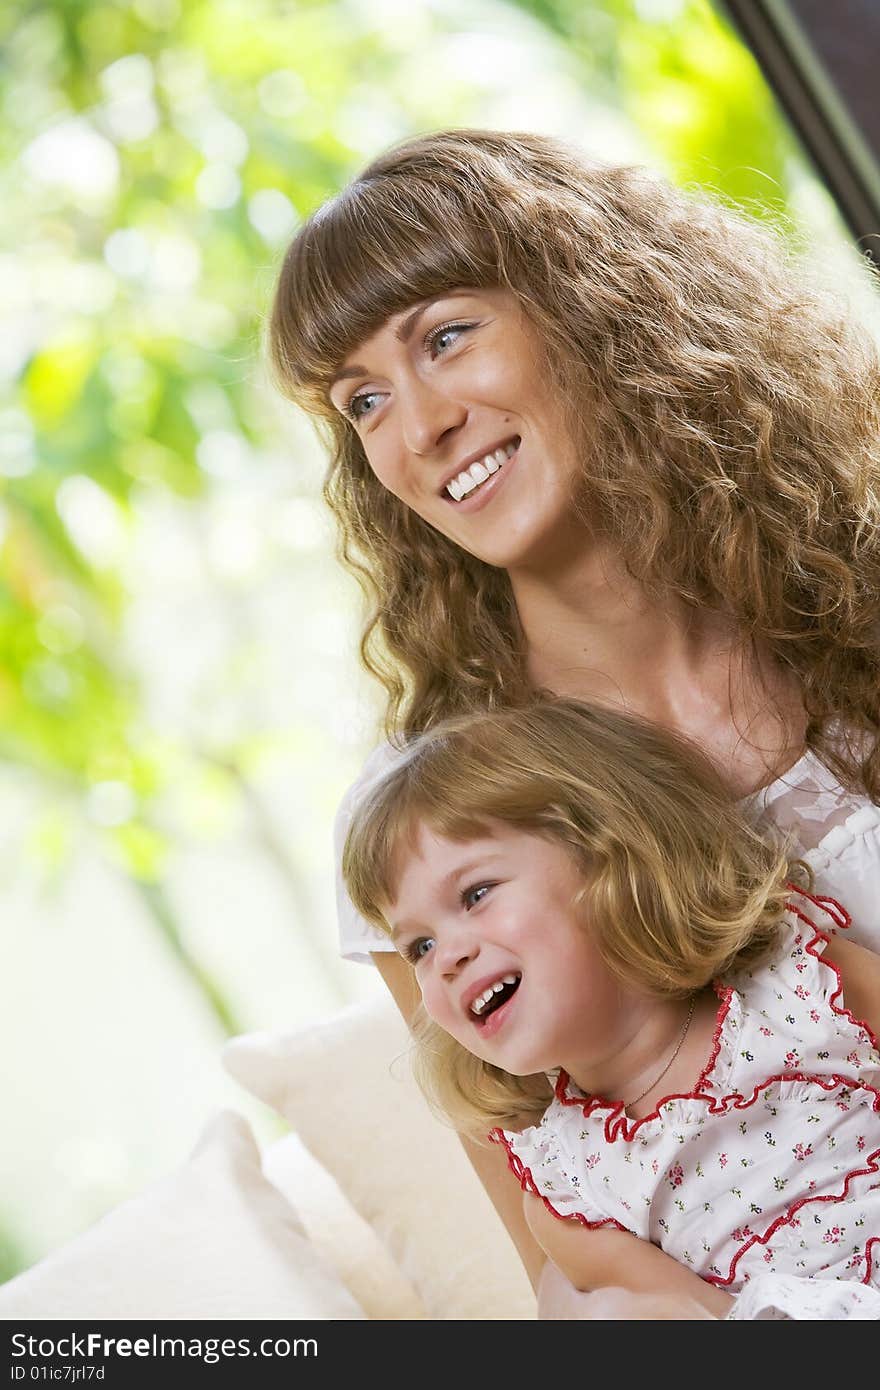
[727,416]
[678,886]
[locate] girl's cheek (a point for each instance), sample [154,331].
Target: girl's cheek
[433,1002]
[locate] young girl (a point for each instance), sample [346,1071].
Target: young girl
[642,999]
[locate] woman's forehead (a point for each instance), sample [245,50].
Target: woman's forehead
[401,320]
[397,322]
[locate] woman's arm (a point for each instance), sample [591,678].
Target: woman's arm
[860,976]
[489,1162]
[607,1257]
[560,1301]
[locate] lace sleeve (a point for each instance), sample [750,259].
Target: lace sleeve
[806,804]
[357,937]
[835,831]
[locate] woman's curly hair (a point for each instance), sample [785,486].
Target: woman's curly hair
[725,408]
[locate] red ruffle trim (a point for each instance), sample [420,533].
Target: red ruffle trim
[616,1123]
[528,1184]
[788,1219]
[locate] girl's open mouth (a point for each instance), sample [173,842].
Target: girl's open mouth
[496,1010]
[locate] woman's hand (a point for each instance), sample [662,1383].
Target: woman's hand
[617,1270]
[559,1300]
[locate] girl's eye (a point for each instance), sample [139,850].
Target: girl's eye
[439,339]
[469,896]
[354,407]
[414,951]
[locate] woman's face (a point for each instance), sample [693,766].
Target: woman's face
[456,419]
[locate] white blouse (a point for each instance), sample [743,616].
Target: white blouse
[836,832]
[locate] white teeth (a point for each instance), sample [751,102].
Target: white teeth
[479,1004]
[470,478]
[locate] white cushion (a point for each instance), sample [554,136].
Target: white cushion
[344,1085]
[339,1234]
[214,1239]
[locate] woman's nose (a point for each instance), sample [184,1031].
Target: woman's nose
[428,416]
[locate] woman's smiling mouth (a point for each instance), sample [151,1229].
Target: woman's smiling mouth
[477,475]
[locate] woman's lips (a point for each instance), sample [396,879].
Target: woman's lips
[483,494]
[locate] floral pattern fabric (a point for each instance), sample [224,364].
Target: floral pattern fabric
[783,1297]
[770,1166]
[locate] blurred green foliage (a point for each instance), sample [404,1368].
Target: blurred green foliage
[157,154]
[682,76]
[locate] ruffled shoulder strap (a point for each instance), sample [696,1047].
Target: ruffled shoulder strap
[823,914]
[807,923]
[539,1160]
[795,1018]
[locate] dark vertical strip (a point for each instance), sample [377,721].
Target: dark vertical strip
[822,60]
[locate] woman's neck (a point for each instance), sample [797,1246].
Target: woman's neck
[592,633]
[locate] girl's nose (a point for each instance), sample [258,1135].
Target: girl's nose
[457,949]
[429,416]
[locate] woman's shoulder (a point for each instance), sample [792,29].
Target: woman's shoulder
[358,939]
[378,761]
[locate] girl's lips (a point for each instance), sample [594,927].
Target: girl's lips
[497,1017]
[482,495]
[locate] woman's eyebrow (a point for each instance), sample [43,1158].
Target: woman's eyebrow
[344,373]
[402,333]
[404,330]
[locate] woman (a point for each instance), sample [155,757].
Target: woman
[594,436]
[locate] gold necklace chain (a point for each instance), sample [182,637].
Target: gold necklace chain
[678,1047]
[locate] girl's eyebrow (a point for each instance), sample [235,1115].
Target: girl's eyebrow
[344,373]
[460,871]
[404,330]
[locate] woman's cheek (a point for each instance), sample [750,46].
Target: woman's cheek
[380,472]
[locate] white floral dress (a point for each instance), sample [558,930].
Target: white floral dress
[769,1167]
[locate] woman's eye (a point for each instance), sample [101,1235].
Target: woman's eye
[439,339]
[356,408]
[418,949]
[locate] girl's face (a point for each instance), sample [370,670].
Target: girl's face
[455,419]
[502,955]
